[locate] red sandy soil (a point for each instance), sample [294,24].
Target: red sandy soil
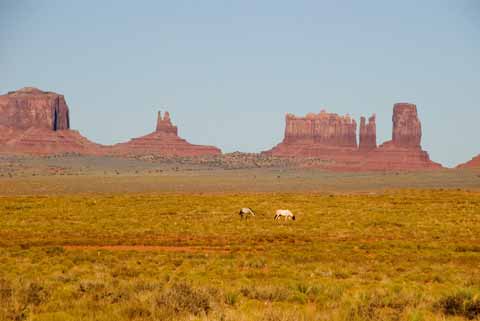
[149,248]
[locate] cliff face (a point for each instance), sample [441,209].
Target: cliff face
[32,108]
[473,163]
[368,134]
[163,141]
[407,129]
[37,122]
[323,128]
[165,124]
[332,140]
[41,141]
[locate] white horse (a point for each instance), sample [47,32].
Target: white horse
[245,212]
[285,214]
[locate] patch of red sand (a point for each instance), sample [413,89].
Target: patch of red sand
[149,248]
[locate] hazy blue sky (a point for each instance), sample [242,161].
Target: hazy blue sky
[228,71]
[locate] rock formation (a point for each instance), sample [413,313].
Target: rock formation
[37,122]
[317,135]
[165,125]
[163,141]
[32,108]
[407,130]
[473,163]
[368,134]
[323,128]
[332,140]
[390,158]
[40,141]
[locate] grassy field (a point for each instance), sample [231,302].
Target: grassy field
[403,255]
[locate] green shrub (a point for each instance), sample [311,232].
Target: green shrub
[183,298]
[379,304]
[279,315]
[266,293]
[303,288]
[34,294]
[136,312]
[6,290]
[55,250]
[231,298]
[465,303]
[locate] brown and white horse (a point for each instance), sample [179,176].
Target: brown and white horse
[246,212]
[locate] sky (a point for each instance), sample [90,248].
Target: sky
[229,71]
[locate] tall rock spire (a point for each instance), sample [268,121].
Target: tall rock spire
[165,125]
[331,140]
[163,141]
[368,133]
[407,129]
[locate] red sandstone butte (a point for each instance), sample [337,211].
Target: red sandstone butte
[317,135]
[163,141]
[407,129]
[37,122]
[473,163]
[323,128]
[404,151]
[332,140]
[30,107]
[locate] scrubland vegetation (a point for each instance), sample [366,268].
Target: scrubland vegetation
[404,255]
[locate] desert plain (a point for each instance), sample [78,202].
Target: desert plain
[106,238]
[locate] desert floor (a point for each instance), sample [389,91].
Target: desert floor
[110,239]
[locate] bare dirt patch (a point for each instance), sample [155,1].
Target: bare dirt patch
[149,248]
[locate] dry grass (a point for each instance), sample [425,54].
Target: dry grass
[75,174]
[406,255]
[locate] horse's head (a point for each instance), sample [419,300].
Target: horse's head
[293,217]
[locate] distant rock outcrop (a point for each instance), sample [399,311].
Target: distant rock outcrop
[332,139]
[165,125]
[40,141]
[407,129]
[323,128]
[317,135]
[368,134]
[32,108]
[37,122]
[163,141]
[473,163]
